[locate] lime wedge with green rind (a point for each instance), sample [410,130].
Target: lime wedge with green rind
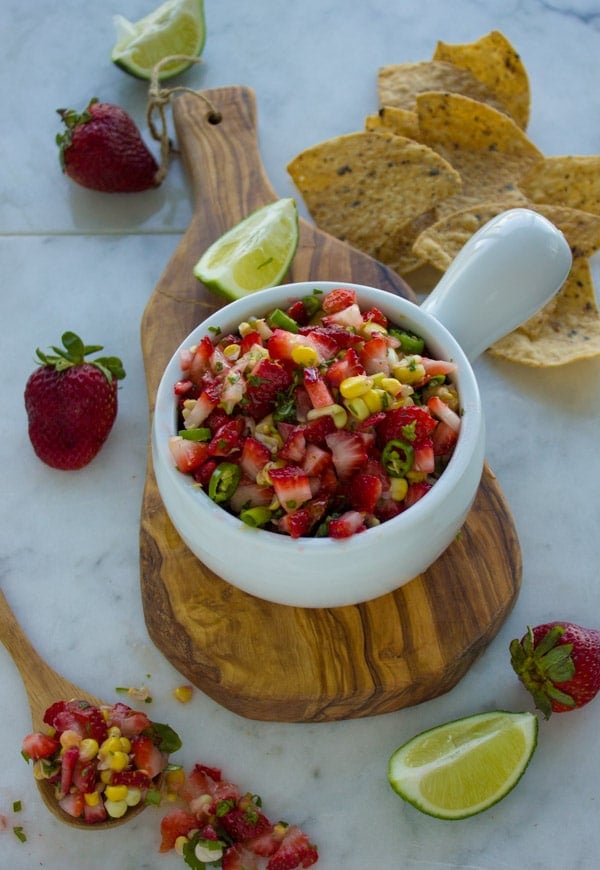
[175,28]
[464,767]
[254,254]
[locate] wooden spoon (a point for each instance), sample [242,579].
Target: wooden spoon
[44,686]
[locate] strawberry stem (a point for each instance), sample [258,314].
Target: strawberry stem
[540,667]
[74,353]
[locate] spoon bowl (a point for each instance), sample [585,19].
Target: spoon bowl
[44,686]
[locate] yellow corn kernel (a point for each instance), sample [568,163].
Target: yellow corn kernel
[232,351]
[116,809]
[92,798]
[398,488]
[183,694]
[69,738]
[115,792]
[355,386]
[336,412]
[358,408]
[179,844]
[111,744]
[391,385]
[105,776]
[134,796]
[118,760]
[371,328]
[114,731]
[416,476]
[375,400]
[409,370]
[88,749]
[304,355]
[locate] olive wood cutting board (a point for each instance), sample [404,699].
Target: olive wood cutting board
[267,661]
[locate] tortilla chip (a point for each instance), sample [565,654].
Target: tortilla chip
[439,243]
[364,188]
[402,122]
[399,85]
[496,64]
[486,147]
[573,181]
[566,330]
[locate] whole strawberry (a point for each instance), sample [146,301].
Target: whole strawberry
[71,403]
[559,663]
[102,149]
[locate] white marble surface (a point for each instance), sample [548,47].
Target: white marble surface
[70,258]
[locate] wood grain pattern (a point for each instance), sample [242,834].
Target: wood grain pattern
[267,661]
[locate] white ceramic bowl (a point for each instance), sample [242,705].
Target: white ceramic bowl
[505,273]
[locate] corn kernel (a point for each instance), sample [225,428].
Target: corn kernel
[375,400]
[391,385]
[232,351]
[356,385]
[88,749]
[179,844]
[92,798]
[118,760]
[134,796]
[336,412]
[398,488]
[116,809]
[416,476]
[174,779]
[69,738]
[111,744]
[183,694]
[116,792]
[304,355]
[105,776]
[371,328]
[114,731]
[358,408]
[409,370]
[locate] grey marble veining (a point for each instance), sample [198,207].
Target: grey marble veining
[70,258]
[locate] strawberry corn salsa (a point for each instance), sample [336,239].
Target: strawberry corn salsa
[102,761]
[321,420]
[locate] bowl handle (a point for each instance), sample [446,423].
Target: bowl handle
[508,270]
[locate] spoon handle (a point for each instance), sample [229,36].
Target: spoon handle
[42,684]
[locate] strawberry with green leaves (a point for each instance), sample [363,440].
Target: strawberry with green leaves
[71,403]
[102,149]
[559,664]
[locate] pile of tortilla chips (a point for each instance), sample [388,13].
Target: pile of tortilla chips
[445,153]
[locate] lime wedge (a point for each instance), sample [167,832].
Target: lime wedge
[254,254]
[177,27]
[463,767]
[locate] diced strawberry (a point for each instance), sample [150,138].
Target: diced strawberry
[249,340]
[350,523]
[200,360]
[315,431]
[294,447]
[364,491]
[316,388]
[315,460]
[203,474]
[176,823]
[94,814]
[337,299]
[346,366]
[84,776]
[281,344]
[416,491]
[130,722]
[374,315]
[438,366]
[328,340]
[292,487]
[350,317]
[295,851]
[301,521]
[245,820]
[348,452]
[411,423]
[133,778]
[202,780]
[147,756]
[443,412]
[205,403]
[267,844]
[299,312]
[72,804]
[254,457]
[444,438]
[39,745]
[249,494]
[424,459]
[238,857]
[374,355]
[266,382]
[227,439]
[183,387]
[68,761]
[79,716]
[187,455]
